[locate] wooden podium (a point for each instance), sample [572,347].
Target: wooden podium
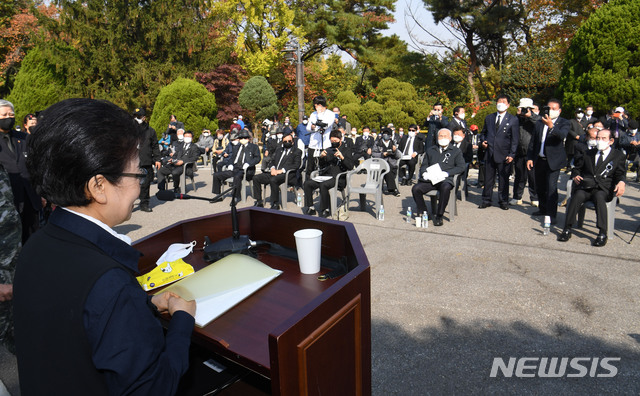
[309,337]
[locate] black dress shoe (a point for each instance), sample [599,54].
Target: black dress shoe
[484,205]
[145,208]
[311,212]
[600,240]
[326,213]
[275,206]
[396,193]
[437,221]
[564,235]
[504,206]
[259,203]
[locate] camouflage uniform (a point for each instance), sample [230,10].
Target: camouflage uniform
[10,244]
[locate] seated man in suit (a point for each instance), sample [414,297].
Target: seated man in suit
[451,163]
[285,158]
[599,176]
[387,149]
[243,158]
[363,145]
[185,151]
[411,146]
[331,162]
[462,141]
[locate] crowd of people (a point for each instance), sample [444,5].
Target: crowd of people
[79,163]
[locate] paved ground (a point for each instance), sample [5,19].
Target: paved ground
[446,301]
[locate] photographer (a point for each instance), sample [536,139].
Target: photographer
[527,120]
[331,162]
[185,151]
[321,123]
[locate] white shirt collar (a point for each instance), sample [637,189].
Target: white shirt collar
[105,227]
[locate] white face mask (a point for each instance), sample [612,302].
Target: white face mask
[235,142]
[553,114]
[305,122]
[279,136]
[633,131]
[244,141]
[187,140]
[602,145]
[180,138]
[412,134]
[139,120]
[444,142]
[365,134]
[457,138]
[589,112]
[205,134]
[580,115]
[461,116]
[502,107]
[591,143]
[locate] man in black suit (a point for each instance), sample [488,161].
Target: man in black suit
[599,176]
[527,120]
[285,158]
[244,158]
[499,138]
[364,145]
[13,151]
[434,122]
[458,120]
[331,162]
[185,151]
[463,142]
[149,153]
[547,156]
[411,146]
[575,131]
[451,163]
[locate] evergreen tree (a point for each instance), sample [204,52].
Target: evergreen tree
[258,98]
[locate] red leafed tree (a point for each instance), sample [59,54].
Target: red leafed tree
[15,39]
[225,82]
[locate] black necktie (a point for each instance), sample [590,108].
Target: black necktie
[497,122]
[600,159]
[7,137]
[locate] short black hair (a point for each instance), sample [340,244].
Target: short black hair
[365,127]
[554,100]
[320,100]
[457,109]
[77,139]
[189,132]
[457,128]
[438,104]
[335,134]
[504,96]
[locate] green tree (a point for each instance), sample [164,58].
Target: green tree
[259,98]
[370,114]
[346,97]
[602,66]
[37,85]
[351,110]
[534,75]
[190,101]
[392,89]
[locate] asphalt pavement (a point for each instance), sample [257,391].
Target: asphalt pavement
[447,301]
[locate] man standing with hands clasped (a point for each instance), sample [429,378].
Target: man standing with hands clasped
[499,138]
[546,155]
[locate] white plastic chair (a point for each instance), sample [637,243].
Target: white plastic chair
[611,211]
[375,168]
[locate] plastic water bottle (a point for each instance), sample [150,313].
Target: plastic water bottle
[299,199]
[418,221]
[381,213]
[547,225]
[409,215]
[425,220]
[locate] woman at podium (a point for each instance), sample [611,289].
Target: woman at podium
[83,325]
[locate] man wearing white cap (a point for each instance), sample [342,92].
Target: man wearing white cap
[240,122]
[617,124]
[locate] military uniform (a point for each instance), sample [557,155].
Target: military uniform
[10,244]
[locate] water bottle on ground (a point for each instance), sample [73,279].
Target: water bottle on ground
[409,215]
[299,199]
[381,213]
[425,220]
[547,225]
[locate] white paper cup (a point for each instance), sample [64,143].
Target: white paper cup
[308,245]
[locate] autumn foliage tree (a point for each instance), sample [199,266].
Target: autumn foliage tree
[534,75]
[226,82]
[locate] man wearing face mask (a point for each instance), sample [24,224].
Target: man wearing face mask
[451,163]
[547,156]
[244,158]
[387,149]
[13,151]
[205,143]
[589,118]
[575,131]
[599,176]
[527,120]
[149,154]
[301,131]
[458,120]
[286,157]
[364,144]
[331,162]
[434,122]
[185,151]
[321,123]
[499,137]
[632,145]
[411,146]
[217,150]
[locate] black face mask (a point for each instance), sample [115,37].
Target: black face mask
[386,138]
[335,144]
[287,145]
[7,123]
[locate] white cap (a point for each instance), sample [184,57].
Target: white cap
[525,103]
[619,110]
[239,117]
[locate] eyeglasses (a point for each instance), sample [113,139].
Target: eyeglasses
[142,175]
[412,130]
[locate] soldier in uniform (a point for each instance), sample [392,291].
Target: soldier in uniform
[10,244]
